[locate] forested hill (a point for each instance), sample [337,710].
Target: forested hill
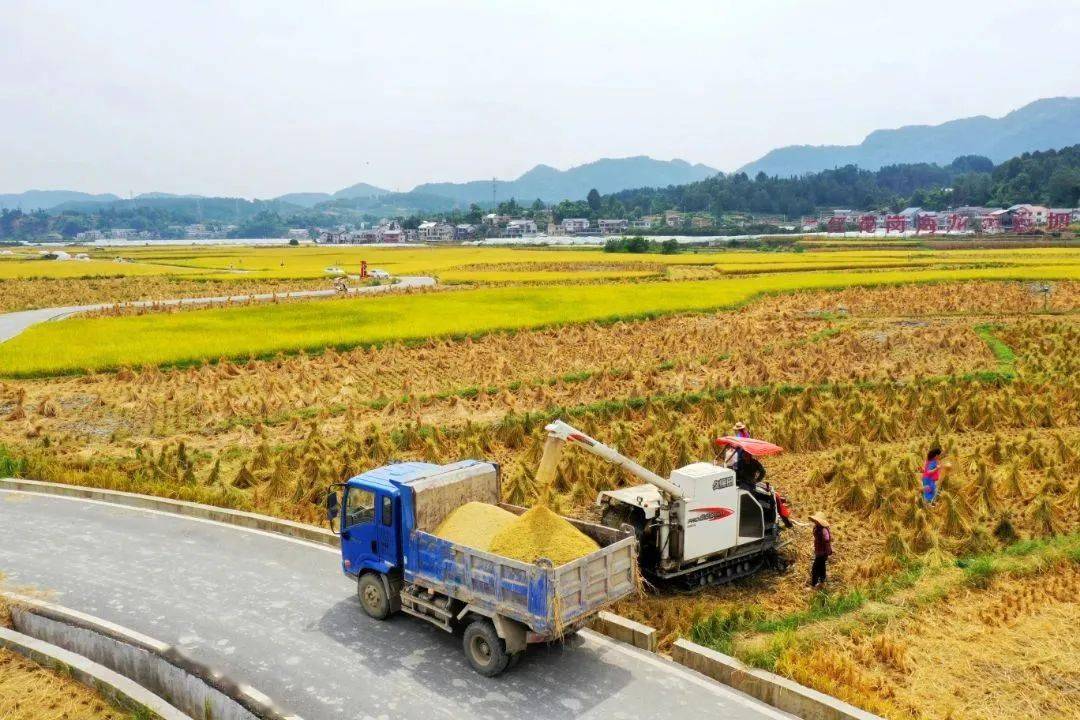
[34,199]
[1051,178]
[1041,125]
[551,185]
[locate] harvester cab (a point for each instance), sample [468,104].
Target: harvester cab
[698,527]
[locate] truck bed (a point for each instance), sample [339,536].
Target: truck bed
[549,600]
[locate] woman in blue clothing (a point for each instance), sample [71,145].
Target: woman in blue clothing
[931,475]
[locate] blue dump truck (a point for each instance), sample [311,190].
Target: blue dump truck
[386,517]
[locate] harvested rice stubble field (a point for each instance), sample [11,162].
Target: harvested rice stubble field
[29,691]
[856,383]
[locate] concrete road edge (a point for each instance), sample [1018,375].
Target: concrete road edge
[780,692]
[120,691]
[250,520]
[149,663]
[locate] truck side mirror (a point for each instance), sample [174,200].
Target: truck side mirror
[332,507]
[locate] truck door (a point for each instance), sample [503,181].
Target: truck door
[359,547]
[386,530]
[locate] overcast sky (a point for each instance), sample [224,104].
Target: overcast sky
[256,98]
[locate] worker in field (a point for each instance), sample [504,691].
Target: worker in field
[734,455]
[822,548]
[931,475]
[748,470]
[783,510]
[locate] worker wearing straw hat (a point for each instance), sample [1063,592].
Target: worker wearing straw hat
[822,548]
[741,431]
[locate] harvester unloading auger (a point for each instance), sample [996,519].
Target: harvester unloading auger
[699,527]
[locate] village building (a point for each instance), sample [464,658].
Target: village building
[435,231]
[612,226]
[520,227]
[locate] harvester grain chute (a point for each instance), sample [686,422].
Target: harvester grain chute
[702,526]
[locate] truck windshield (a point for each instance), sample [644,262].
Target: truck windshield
[359,507]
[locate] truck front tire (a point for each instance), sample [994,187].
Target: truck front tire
[484,648]
[373,598]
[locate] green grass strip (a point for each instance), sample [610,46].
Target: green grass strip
[1005,356]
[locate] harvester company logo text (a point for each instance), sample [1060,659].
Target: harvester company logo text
[710,513]
[722,482]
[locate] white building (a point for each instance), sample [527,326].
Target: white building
[336,237]
[431,231]
[612,226]
[198,230]
[573,225]
[1039,213]
[520,227]
[89,235]
[298,234]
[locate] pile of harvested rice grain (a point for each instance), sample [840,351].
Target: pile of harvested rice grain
[540,533]
[537,533]
[475,524]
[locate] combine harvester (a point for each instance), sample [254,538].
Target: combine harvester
[699,527]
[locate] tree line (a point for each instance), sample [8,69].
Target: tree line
[1049,177]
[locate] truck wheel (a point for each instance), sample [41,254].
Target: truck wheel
[484,648]
[372,594]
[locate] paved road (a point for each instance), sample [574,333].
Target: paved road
[277,613]
[13,323]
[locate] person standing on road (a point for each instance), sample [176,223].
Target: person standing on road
[822,548]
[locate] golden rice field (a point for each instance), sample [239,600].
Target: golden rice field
[964,610]
[256,331]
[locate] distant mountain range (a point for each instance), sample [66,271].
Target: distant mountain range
[1046,124]
[550,185]
[353,192]
[543,182]
[45,199]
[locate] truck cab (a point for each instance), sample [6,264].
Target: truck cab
[370,521]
